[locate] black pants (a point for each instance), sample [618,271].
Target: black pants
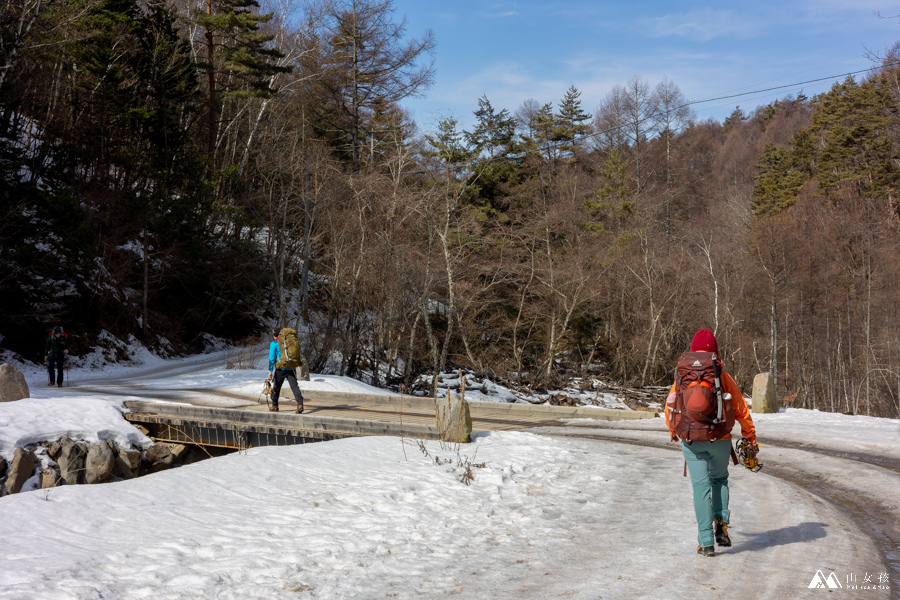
[291,376]
[56,362]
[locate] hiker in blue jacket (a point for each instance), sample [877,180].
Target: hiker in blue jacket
[277,376]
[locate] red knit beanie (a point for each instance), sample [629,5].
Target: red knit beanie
[704,341]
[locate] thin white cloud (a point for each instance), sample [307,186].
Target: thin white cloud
[843,6]
[841,16]
[445,16]
[502,10]
[569,10]
[702,25]
[506,84]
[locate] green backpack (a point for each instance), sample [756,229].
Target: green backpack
[290,349]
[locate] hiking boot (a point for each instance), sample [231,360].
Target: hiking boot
[273,408]
[58,385]
[299,408]
[51,384]
[722,537]
[706,550]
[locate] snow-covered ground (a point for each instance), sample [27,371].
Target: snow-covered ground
[544,517]
[483,389]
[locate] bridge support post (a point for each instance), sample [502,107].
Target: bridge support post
[764,398]
[454,422]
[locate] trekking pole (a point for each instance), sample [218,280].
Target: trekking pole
[267,390]
[719,401]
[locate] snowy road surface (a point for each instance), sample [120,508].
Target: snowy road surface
[546,516]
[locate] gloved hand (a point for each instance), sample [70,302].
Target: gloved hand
[747,451]
[674,437]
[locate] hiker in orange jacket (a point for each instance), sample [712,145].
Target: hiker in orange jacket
[708,461]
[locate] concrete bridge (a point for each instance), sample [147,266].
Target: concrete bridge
[334,415]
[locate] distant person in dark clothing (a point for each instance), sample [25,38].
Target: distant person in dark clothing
[55,352]
[278,376]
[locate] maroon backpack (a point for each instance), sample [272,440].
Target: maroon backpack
[702,413]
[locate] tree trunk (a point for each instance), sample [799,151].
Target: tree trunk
[451,296]
[850,369]
[868,319]
[410,355]
[26,20]
[773,331]
[828,367]
[210,52]
[144,320]
[307,252]
[354,141]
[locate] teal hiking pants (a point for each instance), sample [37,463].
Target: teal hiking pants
[707,462]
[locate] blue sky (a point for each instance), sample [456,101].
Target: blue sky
[512,51]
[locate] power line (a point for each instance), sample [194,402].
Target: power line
[796,74]
[781,87]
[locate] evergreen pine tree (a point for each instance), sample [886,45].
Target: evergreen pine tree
[736,116]
[779,181]
[572,123]
[544,125]
[494,132]
[493,142]
[237,49]
[449,147]
[613,200]
[858,156]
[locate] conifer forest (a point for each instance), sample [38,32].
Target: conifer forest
[174,170]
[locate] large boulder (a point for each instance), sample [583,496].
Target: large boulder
[54,450]
[20,470]
[128,463]
[12,384]
[159,457]
[764,399]
[71,461]
[454,422]
[50,477]
[179,451]
[99,463]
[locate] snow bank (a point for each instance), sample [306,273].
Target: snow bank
[377,518]
[853,433]
[34,420]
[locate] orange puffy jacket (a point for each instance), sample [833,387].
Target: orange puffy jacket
[741,411]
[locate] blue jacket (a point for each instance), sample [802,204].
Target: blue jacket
[275,356]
